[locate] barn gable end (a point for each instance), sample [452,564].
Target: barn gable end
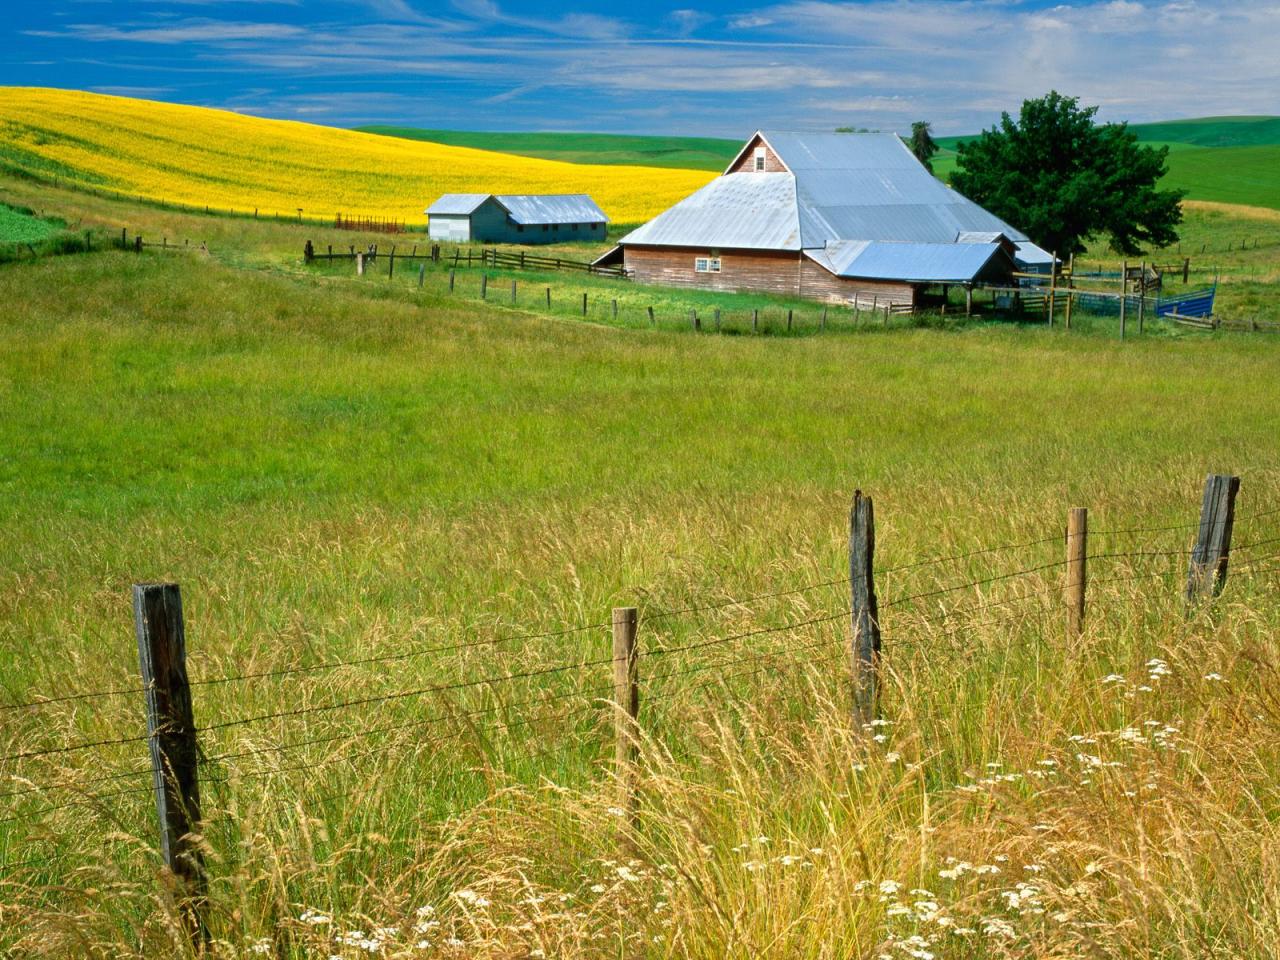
[757,157]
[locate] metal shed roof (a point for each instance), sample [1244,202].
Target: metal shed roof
[457,204]
[915,262]
[524,208]
[551,208]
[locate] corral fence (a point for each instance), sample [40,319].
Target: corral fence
[1134,293]
[180,761]
[367,224]
[1146,291]
[859,312]
[137,244]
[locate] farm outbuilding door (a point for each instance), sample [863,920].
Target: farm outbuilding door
[451,229]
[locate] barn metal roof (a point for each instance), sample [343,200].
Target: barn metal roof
[525,208]
[916,262]
[839,187]
[552,208]
[754,211]
[457,204]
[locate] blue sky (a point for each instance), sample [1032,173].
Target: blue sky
[717,68]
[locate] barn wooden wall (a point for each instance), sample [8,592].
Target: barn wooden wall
[782,273]
[748,162]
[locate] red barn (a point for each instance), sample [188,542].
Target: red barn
[834,216]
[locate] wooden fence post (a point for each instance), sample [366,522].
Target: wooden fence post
[1077,572]
[308,253]
[484,285]
[652,322]
[137,244]
[615,309]
[1142,298]
[1207,573]
[451,278]
[391,263]
[626,699]
[788,321]
[716,318]
[1053,285]
[694,321]
[548,298]
[1124,293]
[824,316]
[584,304]
[513,292]
[755,321]
[171,732]
[864,609]
[422,274]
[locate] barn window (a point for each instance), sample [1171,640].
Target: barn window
[706,265]
[544,228]
[759,158]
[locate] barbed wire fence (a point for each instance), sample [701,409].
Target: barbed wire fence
[189,763]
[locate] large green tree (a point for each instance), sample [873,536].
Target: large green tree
[1061,177]
[922,143]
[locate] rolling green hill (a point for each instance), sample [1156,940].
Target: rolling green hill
[688,153]
[1223,159]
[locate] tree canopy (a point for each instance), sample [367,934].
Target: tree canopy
[922,143]
[1061,177]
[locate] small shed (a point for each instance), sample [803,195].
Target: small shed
[515,218]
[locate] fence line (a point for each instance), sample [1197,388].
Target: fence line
[1207,573]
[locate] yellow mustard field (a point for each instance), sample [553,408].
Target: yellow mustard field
[200,156]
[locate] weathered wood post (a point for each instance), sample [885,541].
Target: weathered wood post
[513,293]
[391,263]
[451,278]
[1186,268]
[359,263]
[652,320]
[715,314]
[308,253]
[755,321]
[137,244]
[484,285]
[626,699]
[788,321]
[584,304]
[171,732]
[824,317]
[1124,293]
[1142,298]
[968,301]
[422,274]
[1207,573]
[1077,572]
[548,298]
[863,609]
[694,321]
[615,309]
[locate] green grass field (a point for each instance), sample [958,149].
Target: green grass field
[341,469]
[23,226]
